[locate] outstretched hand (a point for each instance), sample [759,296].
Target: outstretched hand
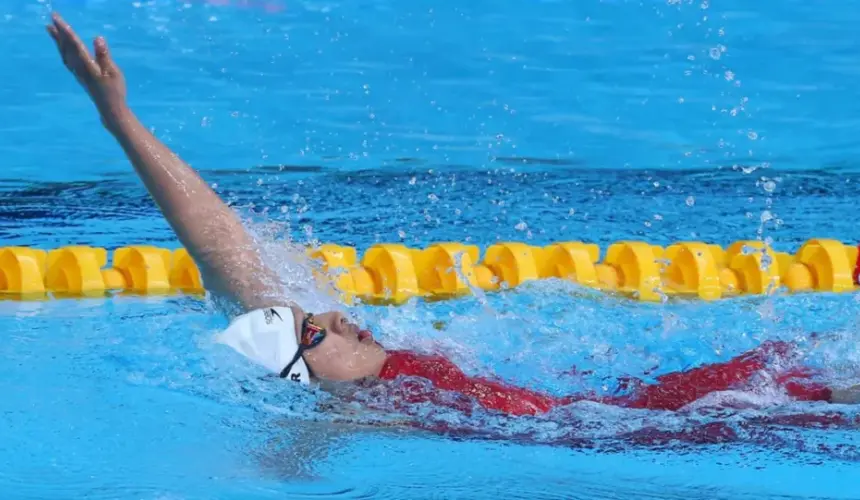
[100,76]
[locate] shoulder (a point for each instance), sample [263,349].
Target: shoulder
[409,363]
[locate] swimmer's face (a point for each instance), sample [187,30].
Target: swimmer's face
[346,353]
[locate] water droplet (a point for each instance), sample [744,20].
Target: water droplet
[715,53]
[769,186]
[522,226]
[432,197]
[401,233]
[752,135]
[766,261]
[412,181]
[690,201]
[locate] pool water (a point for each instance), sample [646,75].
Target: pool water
[376,122]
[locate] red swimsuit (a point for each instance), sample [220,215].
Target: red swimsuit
[671,392]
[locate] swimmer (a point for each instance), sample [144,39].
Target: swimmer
[303,347]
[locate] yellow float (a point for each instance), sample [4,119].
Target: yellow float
[395,273]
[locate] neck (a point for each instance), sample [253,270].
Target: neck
[380,365]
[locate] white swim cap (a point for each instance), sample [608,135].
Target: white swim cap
[268,338]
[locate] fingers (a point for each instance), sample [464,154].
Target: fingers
[52,30]
[103,57]
[71,47]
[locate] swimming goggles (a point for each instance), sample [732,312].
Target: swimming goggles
[312,336]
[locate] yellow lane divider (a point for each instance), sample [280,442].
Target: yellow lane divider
[80,271]
[394,273]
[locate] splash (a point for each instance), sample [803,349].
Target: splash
[270,6]
[554,337]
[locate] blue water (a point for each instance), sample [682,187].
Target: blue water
[361,122]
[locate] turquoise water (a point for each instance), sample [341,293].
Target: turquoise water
[373,121]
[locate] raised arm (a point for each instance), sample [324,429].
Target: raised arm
[228,258]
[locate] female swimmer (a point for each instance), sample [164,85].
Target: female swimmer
[281,336]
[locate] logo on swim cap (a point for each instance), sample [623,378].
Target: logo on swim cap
[269,314]
[271,344]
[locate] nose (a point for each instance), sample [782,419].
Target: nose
[351,327]
[343,325]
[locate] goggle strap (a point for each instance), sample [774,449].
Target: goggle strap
[286,371]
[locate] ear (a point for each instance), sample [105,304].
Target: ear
[298,319]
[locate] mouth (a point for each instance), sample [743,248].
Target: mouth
[365,336]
